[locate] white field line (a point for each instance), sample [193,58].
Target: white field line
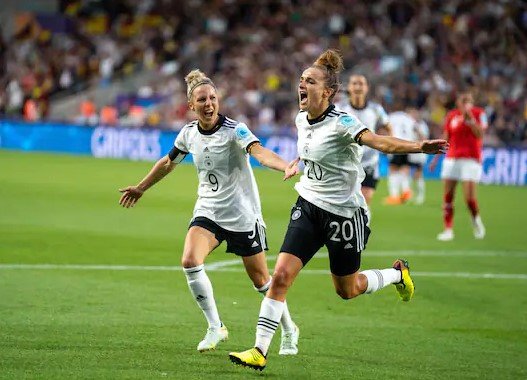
[233,265]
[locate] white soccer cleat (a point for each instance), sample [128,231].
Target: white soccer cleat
[479,228]
[289,342]
[446,235]
[213,336]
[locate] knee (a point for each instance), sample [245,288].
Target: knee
[189,260]
[282,278]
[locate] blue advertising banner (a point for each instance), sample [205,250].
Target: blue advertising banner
[506,166]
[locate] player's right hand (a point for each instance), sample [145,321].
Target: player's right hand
[131,195]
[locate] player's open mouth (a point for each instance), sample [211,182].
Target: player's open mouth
[209,113]
[303,97]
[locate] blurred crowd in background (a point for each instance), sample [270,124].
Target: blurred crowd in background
[414,53]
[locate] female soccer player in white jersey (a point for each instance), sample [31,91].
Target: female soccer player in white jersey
[330,210]
[228,206]
[375,118]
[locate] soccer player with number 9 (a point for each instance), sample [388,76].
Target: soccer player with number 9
[228,206]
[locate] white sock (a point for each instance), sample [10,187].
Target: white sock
[201,288]
[420,188]
[270,314]
[393,184]
[404,182]
[286,322]
[378,279]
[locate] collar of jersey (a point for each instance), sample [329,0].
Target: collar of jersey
[321,117]
[218,125]
[359,108]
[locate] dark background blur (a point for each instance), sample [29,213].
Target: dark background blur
[123,62]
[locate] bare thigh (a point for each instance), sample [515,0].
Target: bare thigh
[199,242]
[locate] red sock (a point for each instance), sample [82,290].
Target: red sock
[473,207]
[448,209]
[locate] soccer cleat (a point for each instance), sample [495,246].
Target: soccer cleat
[252,358]
[405,287]
[479,228]
[289,342]
[213,336]
[392,201]
[406,196]
[446,235]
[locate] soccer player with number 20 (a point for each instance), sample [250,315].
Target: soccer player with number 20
[330,210]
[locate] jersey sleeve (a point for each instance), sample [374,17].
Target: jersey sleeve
[351,128]
[180,149]
[244,137]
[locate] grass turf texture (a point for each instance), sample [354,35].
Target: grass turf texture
[67,323]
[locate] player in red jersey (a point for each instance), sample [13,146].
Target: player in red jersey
[464,128]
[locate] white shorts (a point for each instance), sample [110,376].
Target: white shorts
[461,169]
[417,158]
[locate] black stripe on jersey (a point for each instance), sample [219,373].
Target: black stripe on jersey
[250,145]
[323,116]
[229,123]
[359,135]
[336,113]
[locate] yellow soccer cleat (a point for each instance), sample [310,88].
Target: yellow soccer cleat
[405,288]
[252,358]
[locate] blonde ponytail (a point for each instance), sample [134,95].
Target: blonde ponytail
[194,79]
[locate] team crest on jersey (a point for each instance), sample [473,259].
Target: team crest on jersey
[306,150]
[242,132]
[208,163]
[296,214]
[348,121]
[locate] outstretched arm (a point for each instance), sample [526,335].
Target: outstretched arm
[393,145]
[131,194]
[268,158]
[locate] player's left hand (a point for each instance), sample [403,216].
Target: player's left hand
[292,169]
[434,146]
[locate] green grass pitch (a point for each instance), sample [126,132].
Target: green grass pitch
[468,319]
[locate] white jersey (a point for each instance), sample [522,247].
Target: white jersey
[374,117]
[333,172]
[421,132]
[402,125]
[227,191]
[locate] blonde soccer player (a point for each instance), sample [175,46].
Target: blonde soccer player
[228,205]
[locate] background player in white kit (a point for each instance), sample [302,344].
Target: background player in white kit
[330,209]
[418,161]
[399,190]
[228,206]
[376,119]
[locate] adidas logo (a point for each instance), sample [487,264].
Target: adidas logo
[206,149]
[200,298]
[348,246]
[309,136]
[255,244]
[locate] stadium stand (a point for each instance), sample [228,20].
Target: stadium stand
[415,53]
